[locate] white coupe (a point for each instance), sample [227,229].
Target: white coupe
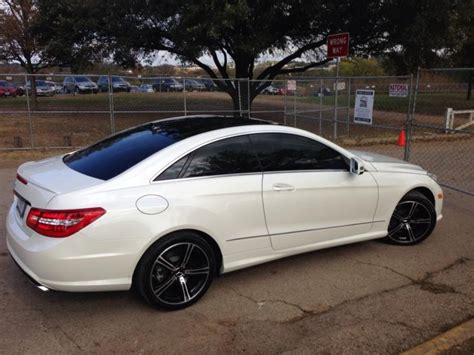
[166,206]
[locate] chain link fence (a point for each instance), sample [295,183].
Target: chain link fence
[50,111]
[442,126]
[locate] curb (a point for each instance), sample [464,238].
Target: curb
[445,341]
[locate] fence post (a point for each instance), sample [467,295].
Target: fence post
[237,81]
[320,106]
[448,119]
[294,107]
[409,123]
[111,104]
[249,104]
[184,98]
[285,102]
[30,122]
[336,92]
[348,105]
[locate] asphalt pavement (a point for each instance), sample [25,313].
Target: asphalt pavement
[362,298]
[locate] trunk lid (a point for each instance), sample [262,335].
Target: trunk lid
[48,178]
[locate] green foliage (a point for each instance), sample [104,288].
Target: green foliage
[361,67]
[428,33]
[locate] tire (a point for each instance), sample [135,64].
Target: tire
[163,277]
[412,221]
[77,91]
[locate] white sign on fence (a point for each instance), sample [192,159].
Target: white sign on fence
[364,106]
[398,90]
[291,85]
[341,85]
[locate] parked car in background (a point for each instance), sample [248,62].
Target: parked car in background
[57,87]
[146,88]
[3,90]
[118,84]
[134,88]
[209,84]
[20,89]
[7,88]
[323,91]
[194,85]
[79,85]
[167,84]
[42,88]
[285,91]
[270,90]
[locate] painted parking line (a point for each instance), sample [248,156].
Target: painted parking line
[445,341]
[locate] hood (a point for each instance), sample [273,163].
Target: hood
[385,163]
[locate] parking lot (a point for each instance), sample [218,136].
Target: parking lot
[366,297]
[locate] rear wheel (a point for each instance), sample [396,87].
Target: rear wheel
[176,271]
[412,221]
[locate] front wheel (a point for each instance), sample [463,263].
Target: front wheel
[412,221]
[176,271]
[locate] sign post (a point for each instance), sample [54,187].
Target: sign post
[338,46]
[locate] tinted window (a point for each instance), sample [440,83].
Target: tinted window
[174,170]
[112,156]
[228,156]
[283,152]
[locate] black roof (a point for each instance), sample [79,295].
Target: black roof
[119,152]
[185,127]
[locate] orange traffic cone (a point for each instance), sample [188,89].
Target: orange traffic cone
[402,138]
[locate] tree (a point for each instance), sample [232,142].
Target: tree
[361,67]
[17,40]
[462,43]
[419,33]
[430,33]
[234,33]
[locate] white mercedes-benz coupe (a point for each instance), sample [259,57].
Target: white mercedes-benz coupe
[167,205]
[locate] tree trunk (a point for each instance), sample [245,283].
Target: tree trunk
[32,80]
[241,101]
[469,87]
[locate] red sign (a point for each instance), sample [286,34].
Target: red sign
[338,45]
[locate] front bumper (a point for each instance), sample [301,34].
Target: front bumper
[72,264]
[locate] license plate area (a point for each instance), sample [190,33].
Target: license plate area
[21,205]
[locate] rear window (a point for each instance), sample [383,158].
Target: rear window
[118,153]
[112,156]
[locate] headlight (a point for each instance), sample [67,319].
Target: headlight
[433,176]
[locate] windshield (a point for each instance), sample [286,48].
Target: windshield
[117,79]
[82,79]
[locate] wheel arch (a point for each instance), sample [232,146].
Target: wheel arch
[425,191]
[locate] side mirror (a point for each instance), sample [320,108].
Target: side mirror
[356,166]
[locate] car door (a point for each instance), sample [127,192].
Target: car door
[218,187]
[309,195]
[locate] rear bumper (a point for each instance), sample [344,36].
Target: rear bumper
[68,264]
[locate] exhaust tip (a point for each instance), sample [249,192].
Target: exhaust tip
[42,288]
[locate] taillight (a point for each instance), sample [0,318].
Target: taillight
[60,224]
[21,179]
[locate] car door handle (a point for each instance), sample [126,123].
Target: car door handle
[282,187]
